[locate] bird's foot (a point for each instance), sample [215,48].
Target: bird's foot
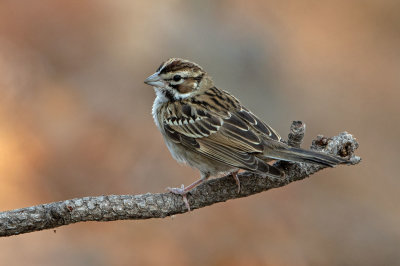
[181,191]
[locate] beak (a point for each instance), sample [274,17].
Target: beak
[154,80]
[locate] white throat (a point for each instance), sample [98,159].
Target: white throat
[158,102]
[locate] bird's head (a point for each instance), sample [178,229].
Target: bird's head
[178,79]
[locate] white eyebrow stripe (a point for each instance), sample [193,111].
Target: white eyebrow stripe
[173,82]
[183,74]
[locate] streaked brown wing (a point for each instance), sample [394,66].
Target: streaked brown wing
[225,137]
[257,124]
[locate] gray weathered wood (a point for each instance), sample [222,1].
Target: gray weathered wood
[160,205]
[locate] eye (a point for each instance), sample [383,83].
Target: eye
[177,78]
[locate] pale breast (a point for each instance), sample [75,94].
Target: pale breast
[159,105]
[178,151]
[159,101]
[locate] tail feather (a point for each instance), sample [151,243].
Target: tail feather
[307,156]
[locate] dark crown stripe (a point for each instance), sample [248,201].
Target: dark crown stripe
[179,65]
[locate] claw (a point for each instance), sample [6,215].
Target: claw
[177,190]
[234,174]
[185,200]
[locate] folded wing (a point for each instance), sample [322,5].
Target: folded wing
[233,138]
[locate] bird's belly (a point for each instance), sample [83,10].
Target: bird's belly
[177,151]
[196,160]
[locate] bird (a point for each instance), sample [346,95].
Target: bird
[209,129]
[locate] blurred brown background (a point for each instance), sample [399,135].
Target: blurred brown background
[75,121]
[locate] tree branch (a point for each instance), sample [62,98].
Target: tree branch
[160,205]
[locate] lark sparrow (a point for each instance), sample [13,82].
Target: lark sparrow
[209,129]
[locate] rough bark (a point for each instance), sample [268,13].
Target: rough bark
[160,205]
